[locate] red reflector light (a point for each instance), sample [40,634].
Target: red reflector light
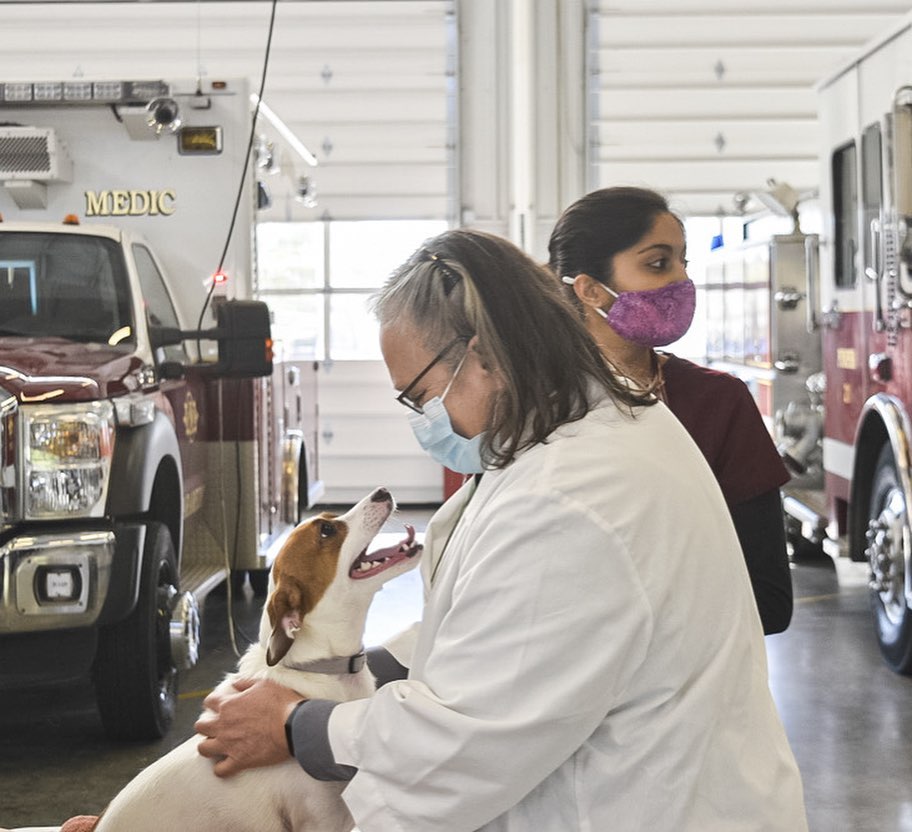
[71,219]
[269,354]
[219,277]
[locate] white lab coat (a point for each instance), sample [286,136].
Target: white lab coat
[590,656]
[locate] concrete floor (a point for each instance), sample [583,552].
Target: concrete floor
[848,717]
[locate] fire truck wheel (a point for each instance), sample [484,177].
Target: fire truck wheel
[888,522]
[135,675]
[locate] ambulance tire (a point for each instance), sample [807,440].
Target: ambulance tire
[888,520]
[135,675]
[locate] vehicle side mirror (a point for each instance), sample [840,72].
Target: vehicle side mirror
[244,339]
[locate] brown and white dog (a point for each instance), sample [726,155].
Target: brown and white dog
[321,586]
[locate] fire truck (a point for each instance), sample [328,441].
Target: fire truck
[152,441]
[843,333]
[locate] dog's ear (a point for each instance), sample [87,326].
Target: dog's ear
[287,607]
[279,643]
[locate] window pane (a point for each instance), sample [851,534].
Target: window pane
[845,206]
[65,285]
[159,307]
[871,187]
[354,332]
[290,255]
[362,254]
[297,322]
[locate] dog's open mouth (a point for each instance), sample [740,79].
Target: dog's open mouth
[373,563]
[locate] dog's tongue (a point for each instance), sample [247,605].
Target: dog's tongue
[399,549]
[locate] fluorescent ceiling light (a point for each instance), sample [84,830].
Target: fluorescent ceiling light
[284,131]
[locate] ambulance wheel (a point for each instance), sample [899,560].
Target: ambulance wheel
[135,675]
[888,522]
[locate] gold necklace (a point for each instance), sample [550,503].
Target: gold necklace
[656,385]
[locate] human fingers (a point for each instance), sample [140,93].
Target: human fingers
[205,723]
[214,700]
[227,767]
[211,748]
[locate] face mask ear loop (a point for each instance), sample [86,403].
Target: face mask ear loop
[572,280]
[456,373]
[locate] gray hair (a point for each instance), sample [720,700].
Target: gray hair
[465,283]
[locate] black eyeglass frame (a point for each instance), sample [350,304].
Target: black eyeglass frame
[403,397]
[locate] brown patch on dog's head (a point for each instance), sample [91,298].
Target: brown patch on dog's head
[302,572]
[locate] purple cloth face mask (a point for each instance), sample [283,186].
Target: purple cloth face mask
[653,317]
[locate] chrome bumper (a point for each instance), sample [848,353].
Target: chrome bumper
[54,581]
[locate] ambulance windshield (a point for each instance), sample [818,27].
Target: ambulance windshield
[70,286]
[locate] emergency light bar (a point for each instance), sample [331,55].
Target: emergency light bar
[44,93]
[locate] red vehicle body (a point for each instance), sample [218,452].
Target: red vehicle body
[139,465]
[848,435]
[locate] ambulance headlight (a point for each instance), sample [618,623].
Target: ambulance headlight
[67,459]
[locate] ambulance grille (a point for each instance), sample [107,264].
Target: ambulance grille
[25,155]
[33,153]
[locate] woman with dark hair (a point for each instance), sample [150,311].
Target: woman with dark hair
[622,254]
[590,655]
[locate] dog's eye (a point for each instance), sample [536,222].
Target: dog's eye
[327,529]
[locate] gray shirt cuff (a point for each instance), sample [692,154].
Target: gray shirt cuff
[384,667]
[310,739]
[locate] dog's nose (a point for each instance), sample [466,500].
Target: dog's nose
[381,495]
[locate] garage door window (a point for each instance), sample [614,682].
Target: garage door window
[318,277]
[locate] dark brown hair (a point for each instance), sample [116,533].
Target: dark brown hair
[466,283]
[600,225]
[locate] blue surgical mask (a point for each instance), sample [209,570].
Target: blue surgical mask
[434,432]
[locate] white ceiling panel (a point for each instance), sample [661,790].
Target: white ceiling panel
[368,87]
[742,28]
[656,66]
[676,139]
[712,174]
[706,103]
[370,84]
[768,7]
[702,99]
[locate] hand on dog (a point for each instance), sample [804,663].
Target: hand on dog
[245,727]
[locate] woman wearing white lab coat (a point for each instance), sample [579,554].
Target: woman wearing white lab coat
[590,656]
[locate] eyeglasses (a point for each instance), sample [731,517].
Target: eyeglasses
[404,398]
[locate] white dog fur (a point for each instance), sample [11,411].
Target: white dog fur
[301,622]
